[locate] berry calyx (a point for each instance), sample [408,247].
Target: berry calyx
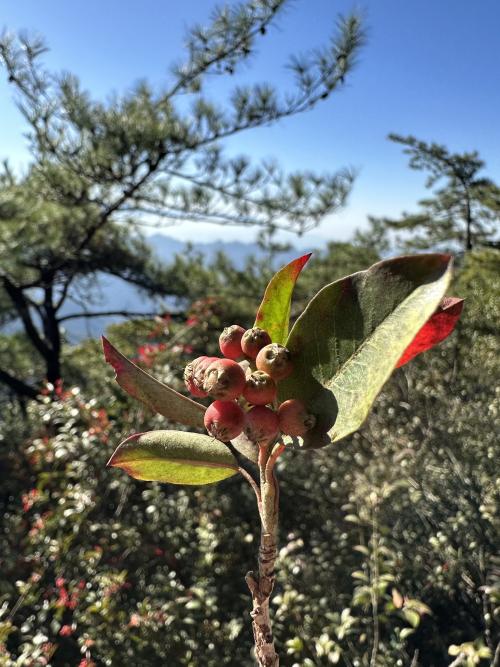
[224,420]
[224,380]
[294,419]
[261,425]
[275,360]
[246,366]
[230,342]
[260,388]
[194,375]
[254,340]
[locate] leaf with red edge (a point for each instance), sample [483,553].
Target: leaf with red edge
[438,327]
[274,311]
[352,334]
[156,395]
[176,457]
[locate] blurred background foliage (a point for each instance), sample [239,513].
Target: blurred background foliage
[389,539]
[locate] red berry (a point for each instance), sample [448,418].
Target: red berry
[275,360]
[294,419]
[261,424]
[260,388]
[254,340]
[230,342]
[194,375]
[224,420]
[224,380]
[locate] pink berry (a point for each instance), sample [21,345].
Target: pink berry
[194,375]
[261,424]
[275,360]
[224,380]
[224,420]
[230,342]
[254,340]
[260,388]
[294,419]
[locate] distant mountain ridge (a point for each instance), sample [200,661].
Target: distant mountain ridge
[116,294]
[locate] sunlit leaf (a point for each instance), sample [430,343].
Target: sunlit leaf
[412,617]
[406,632]
[351,336]
[274,311]
[435,330]
[397,598]
[176,457]
[155,395]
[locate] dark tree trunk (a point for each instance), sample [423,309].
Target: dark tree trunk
[47,341]
[468,222]
[52,334]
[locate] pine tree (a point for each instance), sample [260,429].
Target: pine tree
[462,213]
[100,170]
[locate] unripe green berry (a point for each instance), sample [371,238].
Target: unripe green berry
[254,340]
[224,420]
[275,360]
[260,388]
[294,419]
[230,342]
[261,424]
[224,380]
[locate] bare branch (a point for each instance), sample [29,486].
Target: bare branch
[121,313]
[19,387]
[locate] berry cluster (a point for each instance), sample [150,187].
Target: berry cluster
[244,386]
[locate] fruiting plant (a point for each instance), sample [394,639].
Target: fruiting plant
[305,388]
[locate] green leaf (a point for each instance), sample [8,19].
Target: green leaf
[155,395]
[417,606]
[274,311]
[351,336]
[406,632]
[362,549]
[177,457]
[412,617]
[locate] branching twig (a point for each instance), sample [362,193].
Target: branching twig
[261,585]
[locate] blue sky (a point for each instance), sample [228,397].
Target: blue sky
[431,68]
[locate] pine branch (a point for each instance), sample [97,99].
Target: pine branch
[122,313]
[19,387]
[234,45]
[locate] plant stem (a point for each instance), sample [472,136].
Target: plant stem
[261,585]
[374,582]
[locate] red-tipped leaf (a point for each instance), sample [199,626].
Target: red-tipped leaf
[274,311]
[436,329]
[351,336]
[156,395]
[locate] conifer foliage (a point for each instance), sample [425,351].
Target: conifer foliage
[100,169]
